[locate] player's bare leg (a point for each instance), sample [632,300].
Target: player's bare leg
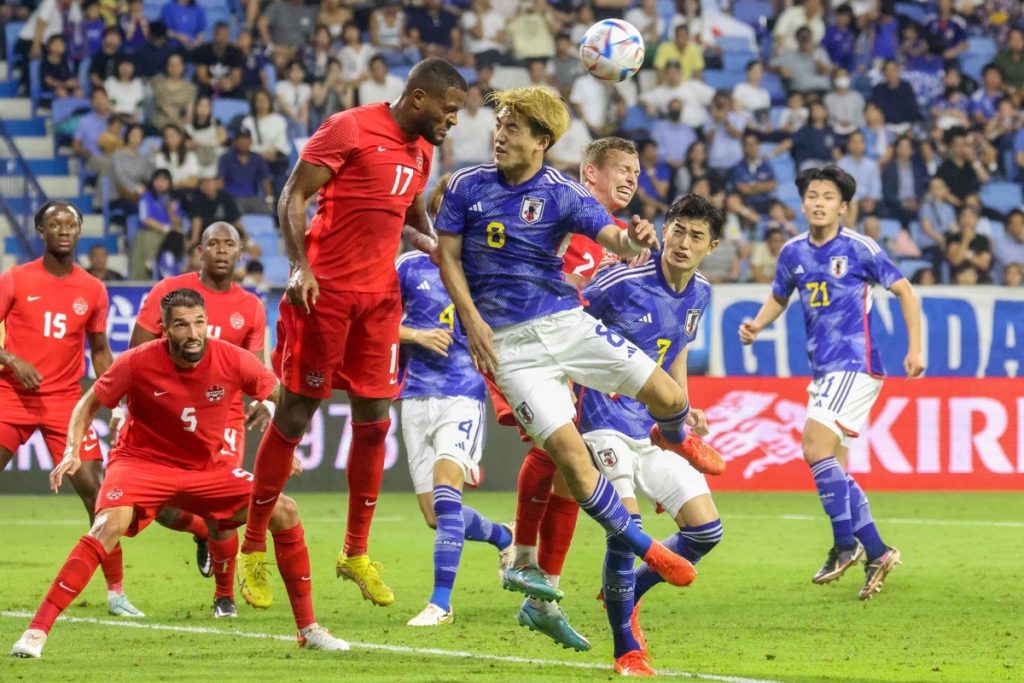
[104,535]
[370,424]
[666,403]
[86,483]
[179,520]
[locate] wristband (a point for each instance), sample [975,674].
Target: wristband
[633,244]
[269,405]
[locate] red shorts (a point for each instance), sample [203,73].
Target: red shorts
[51,419]
[217,492]
[349,342]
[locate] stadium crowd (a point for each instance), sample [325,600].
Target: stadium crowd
[913,99]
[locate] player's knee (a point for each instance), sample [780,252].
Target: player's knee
[285,514]
[109,526]
[662,395]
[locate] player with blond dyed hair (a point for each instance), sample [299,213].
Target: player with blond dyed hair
[503,228]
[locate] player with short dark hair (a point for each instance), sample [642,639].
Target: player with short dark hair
[180,391]
[833,269]
[341,310]
[50,307]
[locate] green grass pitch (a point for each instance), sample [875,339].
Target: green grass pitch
[953,612]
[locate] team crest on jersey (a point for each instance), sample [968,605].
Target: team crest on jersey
[315,379]
[607,457]
[236,320]
[80,305]
[215,393]
[692,318]
[531,209]
[419,161]
[524,412]
[838,265]
[114,494]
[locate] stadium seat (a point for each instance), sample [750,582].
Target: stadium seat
[258,224]
[268,243]
[721,80]
[890,228]
[1002,196]
[789,195]
[11,31]
[773,84]
[911,266]
[980,51]
[65,107]
[753,13]
[226,109]
[83,76]
[35,83]
[275,269]
[913,11]
[733,44]
[997,231]
[735,63]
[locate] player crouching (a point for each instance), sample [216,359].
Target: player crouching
[180,391]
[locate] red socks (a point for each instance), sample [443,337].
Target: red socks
[273,465]
[534,488]
[113,568]
[556,533]
[223,555]
[365,471]
[192,524]
[293,563]
[71,580]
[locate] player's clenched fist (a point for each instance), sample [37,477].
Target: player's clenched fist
[914,365]
[748,332]
[302,289]
[480,338]
[437,340]
[641,232]
[25,372]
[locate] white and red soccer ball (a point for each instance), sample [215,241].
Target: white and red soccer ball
[612,50]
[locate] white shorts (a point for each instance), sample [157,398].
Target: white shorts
[666,479]
[451,428]
[537,360]
[841,401]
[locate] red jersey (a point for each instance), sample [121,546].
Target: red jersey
[353,239]
[177,415]
[236,316]
[47,318]
[583,254]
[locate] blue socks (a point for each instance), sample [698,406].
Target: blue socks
[835,498]
[692,542]
[673,427]
[448,541]
[618,587]
[863,525]
[479,528]
[605,506]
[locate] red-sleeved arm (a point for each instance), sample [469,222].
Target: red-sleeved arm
[332,143]
[98,320]
[428,158]
[113,384]
[6,293]
[257,380]
[256,339]
[149,315]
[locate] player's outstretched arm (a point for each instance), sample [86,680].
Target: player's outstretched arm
[639,235]
[81,417]
[478,333]
[305,180]
[913,363]
[99,352]
[24,371]
[770,311]
[437,340]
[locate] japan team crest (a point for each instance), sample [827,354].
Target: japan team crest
[524,412]
[80,305]
[237,320]
[838,265]
[607,457]
[531,209]
[215,393]
[692,318]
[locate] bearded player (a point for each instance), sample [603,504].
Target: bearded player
[50,307]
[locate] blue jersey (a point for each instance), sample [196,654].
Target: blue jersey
[427,306]
[514,238]
[834,281]
[640,305]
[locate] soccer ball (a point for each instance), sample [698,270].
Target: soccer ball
[612,50]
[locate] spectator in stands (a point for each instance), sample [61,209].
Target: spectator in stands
[46,21]
[470,142]
[57,78]
[947,33]
[565,66]
[741,222]
[185,22]
[809,15]
[845,106]
[126,92]
[537,74]
[805,69]
[591,100]
[334,16]
[695,95]
[209,205]
[764,257]
[219,65]
[951,108]
[292,97]
[723,264]
[986,99]
[329,95]
[85,144]
[724,135]
[814,144]
[1009,247]
[206,136]
[1010,60]
[134,25]
[435,31]
[751,97]
[648,20]
[354,56]
[962,171]
[965,274]
[914,50]
[654,181]
[924,276]
[175,156]
[877,137]
[159,214]
[965,245]
[840,39]
[98,256]
[866,172]
[682,50]
[130,170]
[104,62]
[567,153]
[795,115]
[151,60]
[584,20]
[245,176]
[704,186]
[753,177]
[531,32]
[254,76]
[270,137]
[87,34]
[284,26]
[896,99]
[388,35]
[694,166]
[316,56]
[253,278]
[937,217]
[484,29]
[381,86]
[674,137]
[1013,274]
[780,217]
[904,179]
[173,96]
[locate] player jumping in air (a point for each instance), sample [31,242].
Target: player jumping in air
[50,307]
[658,307]
[524,322]
[834,269]
[180,394]
[442,414]
[341,310]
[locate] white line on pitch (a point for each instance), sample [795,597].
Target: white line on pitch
[891,520]
[399,649]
